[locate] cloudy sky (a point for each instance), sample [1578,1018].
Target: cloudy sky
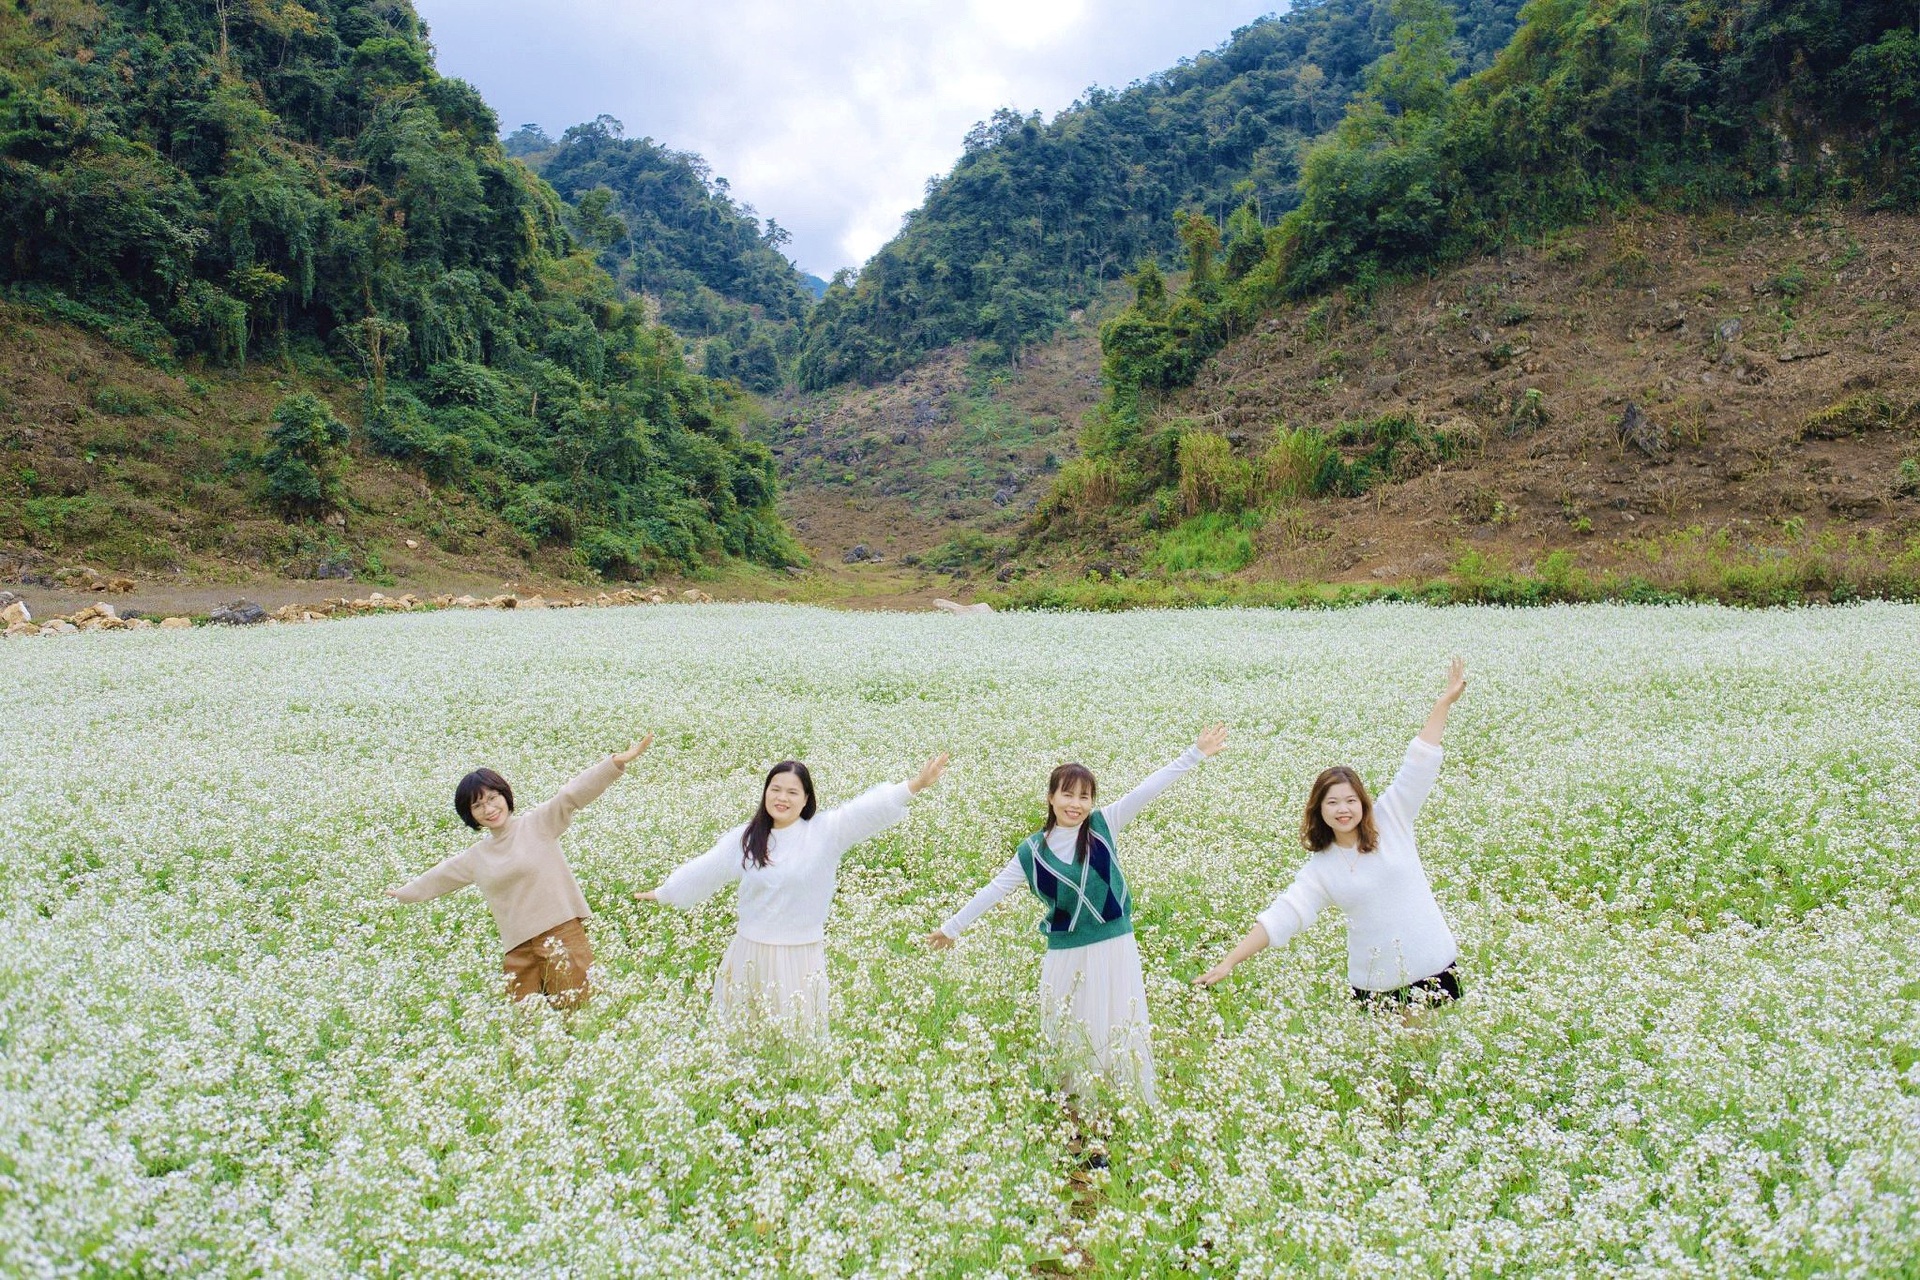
[829,115]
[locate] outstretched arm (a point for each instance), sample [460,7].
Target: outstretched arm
[876,809]
[1253,944]
[1420,768]
[695,881]
[1128,806]
[1289,913]
[586,787]
[452,873]
[1009,879]
[1436,725]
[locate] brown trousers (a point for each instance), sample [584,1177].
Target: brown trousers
[553,965]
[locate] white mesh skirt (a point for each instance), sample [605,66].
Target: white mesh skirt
[1093,1007]
[760,984]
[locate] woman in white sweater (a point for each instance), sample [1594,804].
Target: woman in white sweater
[786,860]
[1093,997]
[1364,862]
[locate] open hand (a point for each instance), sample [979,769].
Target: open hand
[1212,740]
[634,752]
[1213,975]
[938,940]
[929,774]
[1456,680]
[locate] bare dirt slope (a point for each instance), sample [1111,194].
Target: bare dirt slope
[945,450]
[1745,376]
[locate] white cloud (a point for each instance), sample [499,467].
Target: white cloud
[827,116]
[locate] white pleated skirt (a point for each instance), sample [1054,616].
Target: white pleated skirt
[765,987]
[1093,1008]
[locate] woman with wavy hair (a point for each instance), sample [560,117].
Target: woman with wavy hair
[1364,861]
[786,860]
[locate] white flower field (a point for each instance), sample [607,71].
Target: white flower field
[1678,846]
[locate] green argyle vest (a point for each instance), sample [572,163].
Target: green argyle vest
[1087,902]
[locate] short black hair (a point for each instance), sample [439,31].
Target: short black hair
[470,788]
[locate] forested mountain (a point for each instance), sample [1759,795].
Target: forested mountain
[665,226]
[1036,215]
[1626,109]
[249,179]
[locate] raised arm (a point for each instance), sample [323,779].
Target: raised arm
[1011,877]
[877,808]
[1420,767]
[1289,913]
[695,881]
[1436,726]
[1128,806]
[452,873]
[586,787]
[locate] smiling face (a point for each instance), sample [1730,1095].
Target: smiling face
[784,798]
[1071,804]
[1339,811]
[1342,810]
[490,809]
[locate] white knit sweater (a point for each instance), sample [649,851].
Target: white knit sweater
[785,903]
[1395,932]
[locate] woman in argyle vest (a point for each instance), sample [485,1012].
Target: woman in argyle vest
[1093,999]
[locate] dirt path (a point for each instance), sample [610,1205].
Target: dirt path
[857,587]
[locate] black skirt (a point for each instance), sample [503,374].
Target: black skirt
[1440,988]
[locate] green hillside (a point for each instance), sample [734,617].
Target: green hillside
[1741,113]
[665,226]
[1036,215]
[214,185]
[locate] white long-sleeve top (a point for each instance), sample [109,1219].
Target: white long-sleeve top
[1395,932]
[785,903]
[1061,840]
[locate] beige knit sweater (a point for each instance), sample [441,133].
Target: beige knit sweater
[520,869]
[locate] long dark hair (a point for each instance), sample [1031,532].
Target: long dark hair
[1315,834]
[753,841]
[1072,774]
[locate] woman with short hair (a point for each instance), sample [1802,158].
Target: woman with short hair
[537,904]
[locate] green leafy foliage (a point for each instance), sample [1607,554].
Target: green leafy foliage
[1036,216]
[1211,543]
[303,461]
[1594,104]
[1600,102]
[229,181]
[663,225]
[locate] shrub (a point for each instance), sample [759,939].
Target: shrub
[1212,542]
[1211,477]
[1087,485]
[1293,462]
[303,459]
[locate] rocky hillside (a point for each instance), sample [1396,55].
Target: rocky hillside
[945,463]
[1723,404]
